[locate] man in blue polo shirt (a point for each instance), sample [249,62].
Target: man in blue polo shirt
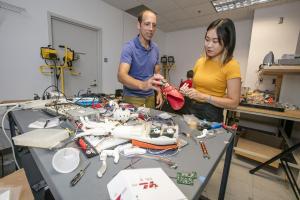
[139,65]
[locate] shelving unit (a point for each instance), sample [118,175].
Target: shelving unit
[260,152]
[253,143]
[279,71]
[256,151]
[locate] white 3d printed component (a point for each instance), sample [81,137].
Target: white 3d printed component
[134,151]
[42,138]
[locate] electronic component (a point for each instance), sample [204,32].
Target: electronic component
[86,147]
[155,132]
[186,178]
[169,132]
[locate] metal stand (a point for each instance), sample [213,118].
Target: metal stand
[226,169]
[285,166]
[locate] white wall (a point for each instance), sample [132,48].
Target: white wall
[23,34]
[187,46]
[269,35]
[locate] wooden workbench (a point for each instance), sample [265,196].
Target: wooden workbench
[260,152]
[293,115]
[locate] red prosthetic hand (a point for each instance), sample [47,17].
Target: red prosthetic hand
[173,96]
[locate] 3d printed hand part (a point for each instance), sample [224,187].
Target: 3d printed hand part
[102,169]
[174,97]
[103,157]
[94,131]
[88,124]
[134,151]
[107,125]
[122,115]
[121,148]
[142,133]
[113,153]
[204,134]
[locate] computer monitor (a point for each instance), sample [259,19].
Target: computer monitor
[297,52]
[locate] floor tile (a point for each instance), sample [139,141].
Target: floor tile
[240,189]
[266,184]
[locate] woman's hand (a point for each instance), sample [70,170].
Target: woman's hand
[192,93]
[184,88]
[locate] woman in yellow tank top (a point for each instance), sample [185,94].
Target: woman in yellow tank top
[217,78]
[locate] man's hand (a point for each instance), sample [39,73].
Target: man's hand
[153,83]
[159,100]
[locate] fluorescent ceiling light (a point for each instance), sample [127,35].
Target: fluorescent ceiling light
[11,7]
[225,5]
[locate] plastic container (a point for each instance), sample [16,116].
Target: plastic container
[66,160]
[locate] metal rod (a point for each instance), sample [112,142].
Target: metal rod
[289,150]
[292,176]
[226,169]
[289,178]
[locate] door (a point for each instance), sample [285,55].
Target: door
[85,41]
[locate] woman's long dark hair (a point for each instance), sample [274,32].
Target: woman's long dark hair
[226,35]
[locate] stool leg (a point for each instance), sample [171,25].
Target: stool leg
[282,154]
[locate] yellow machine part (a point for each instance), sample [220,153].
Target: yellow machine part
[48,53]
[70,55]
[46,69]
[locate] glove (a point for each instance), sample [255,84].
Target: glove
[173,96]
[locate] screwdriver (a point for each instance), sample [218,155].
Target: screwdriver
[79,175]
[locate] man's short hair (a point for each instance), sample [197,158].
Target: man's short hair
[190,74]
[141,14]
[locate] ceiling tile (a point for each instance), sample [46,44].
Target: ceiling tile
[189,3]
[162,20]
[205,9]
[160,6]
[175,15]
[168,27]
[123,4]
